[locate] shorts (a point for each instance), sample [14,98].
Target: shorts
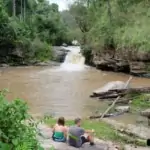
[84,139]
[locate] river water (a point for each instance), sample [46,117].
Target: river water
[62,90]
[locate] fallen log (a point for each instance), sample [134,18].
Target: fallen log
[122,91]
[102,94]
[132,90]
[111,96]
[114,102]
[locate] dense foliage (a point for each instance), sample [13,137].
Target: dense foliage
[15,132]
[114,24]
[74,32]
[28,28]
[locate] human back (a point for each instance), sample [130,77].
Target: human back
[75,134]
[78,136]
[60,131]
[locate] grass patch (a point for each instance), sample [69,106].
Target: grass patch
[102,131]
[140,102]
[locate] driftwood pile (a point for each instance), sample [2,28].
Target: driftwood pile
[120,92]
[119,95]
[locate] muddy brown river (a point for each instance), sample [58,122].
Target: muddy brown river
[59,92]
[63,90]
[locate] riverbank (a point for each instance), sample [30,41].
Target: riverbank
[45,134]
[58,56]
[130,102]
[127,61]
[134,63]
[103,131]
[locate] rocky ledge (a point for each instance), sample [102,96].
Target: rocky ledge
[139,131]
[44,137]
[60,53]
[133,62]
[45,140]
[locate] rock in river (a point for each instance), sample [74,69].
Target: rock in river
[122,108]
[110,86]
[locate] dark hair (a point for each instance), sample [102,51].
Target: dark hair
[77,120]
[61,121]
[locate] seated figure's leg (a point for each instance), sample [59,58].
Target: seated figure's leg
[87,138]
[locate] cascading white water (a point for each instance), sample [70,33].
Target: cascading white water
[74,60]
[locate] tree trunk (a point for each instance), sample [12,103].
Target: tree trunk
[21,10]
[109,11]
[24,9]
[14,8]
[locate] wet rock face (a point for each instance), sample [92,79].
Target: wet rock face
[60,53]
[127,61]
[112,65]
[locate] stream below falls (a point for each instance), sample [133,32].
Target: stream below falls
[63,90]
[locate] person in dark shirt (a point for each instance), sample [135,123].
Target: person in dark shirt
[78,136]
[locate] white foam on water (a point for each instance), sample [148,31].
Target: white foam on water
[74,60]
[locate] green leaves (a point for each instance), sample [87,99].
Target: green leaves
[32,21]
[4,146]
[14,132]
[113,24]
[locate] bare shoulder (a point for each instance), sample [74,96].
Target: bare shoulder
[66,128]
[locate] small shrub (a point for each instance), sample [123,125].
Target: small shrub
[15,133]
[42,51]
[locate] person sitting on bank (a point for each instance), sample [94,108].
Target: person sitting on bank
[78,136]
[60,131]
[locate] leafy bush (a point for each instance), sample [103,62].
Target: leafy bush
[116,25]
[15,132]
[7,34]
[42,51]
[27,33]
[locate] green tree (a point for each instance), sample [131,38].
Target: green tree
[28,21]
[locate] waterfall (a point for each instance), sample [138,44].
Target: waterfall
[74,60]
